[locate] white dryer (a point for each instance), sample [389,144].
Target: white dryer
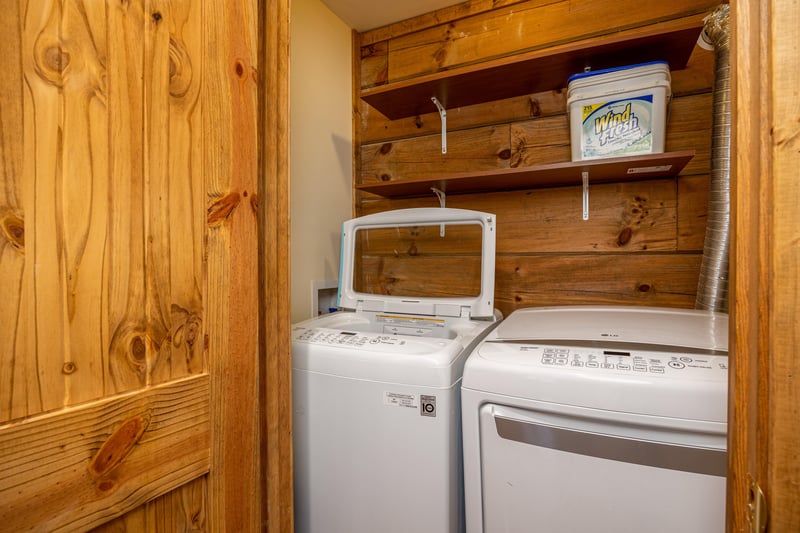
[602,419]
[376,389]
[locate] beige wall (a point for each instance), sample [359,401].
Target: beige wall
[321,146]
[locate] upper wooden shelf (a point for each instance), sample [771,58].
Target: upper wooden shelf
[536,71]
[551,175]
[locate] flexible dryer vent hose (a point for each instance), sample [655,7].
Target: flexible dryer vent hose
[712,288]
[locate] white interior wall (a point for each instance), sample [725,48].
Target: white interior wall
[321,146]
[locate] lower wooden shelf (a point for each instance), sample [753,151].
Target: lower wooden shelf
[551,175]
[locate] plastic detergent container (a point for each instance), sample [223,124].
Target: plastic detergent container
[619,111]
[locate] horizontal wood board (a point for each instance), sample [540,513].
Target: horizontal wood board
[549,175]
[51,480]
[481,151]
[532,72]
[695,78]
[526,27]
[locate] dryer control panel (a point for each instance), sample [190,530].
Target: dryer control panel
[626,360]
[599,361]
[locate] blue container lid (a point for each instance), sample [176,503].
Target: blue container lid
[590,73]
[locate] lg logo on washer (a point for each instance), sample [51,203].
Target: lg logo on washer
[427,405]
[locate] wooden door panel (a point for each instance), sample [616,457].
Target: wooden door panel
[73,470]
[122,126]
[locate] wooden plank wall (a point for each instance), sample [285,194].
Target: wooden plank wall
[129,266]
[763,406]
[643,242]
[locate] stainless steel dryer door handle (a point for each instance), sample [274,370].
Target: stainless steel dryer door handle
[617,445]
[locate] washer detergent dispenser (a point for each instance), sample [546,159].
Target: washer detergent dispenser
[376,385]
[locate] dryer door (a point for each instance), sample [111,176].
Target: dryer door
[572,471]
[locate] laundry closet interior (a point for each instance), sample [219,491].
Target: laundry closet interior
[643,241]
[174,177]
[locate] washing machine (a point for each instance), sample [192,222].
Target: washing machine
[376,386]
[592,418]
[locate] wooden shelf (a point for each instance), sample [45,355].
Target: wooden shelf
[551,175]
[536,71]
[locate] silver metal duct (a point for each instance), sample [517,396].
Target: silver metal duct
[712,288]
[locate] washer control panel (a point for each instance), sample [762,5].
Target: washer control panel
[330,337]
[645,362]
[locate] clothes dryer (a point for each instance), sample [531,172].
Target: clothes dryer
[376,387]
[589,418]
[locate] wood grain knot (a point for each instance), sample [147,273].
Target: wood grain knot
[118,445]
[13,228]
[624,236]
[138,349]
[535,108]
[49,58]
[386,148]
[105,486]
[505,155]
[69,368]
[386,177]
[370,50]
[644,287]
[254,202]
[187,332]
[440,55]
[222,208]
[240,70]
[56,59]
[180,69]
[156,17]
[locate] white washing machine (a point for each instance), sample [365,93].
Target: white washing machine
[376,388]
[604,419]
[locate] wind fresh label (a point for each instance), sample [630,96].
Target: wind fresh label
[617,128]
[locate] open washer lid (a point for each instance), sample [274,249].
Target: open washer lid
[479,305]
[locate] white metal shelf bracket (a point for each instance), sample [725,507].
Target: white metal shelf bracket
[443,116]
[585,177]
[440,194]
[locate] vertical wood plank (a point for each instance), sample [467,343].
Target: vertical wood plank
[275,390]
[125,364]
[36,384]
[82,192]
[783,430]
[12,215]
[228,98]
[749,346]
[175,199]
